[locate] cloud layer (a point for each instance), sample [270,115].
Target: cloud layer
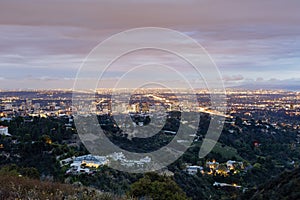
[248,40]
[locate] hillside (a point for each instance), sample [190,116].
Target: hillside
[284,187]
[14,187]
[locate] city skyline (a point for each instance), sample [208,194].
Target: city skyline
[254,44]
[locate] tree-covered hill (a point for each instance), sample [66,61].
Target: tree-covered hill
[284,187]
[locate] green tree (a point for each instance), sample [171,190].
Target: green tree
[157,187]
[30,172]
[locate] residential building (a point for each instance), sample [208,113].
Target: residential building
[4,131]
[192,170]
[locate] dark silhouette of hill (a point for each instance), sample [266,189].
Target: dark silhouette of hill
[285,187]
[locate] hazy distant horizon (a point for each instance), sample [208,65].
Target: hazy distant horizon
[236,88]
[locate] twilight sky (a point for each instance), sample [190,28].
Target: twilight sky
[43,43]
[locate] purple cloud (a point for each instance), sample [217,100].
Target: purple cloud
[51,38]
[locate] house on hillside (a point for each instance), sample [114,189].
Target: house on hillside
[4,131]
[231,164]
[82,164]
[192,170]
[212,164]
[91,160]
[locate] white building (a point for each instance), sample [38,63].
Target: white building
[117,156]
[192,170]
[8,107]
[66,161]
[4,131]
[77,169]
[82,164]
[231,164]
[212,165]
[91,160]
